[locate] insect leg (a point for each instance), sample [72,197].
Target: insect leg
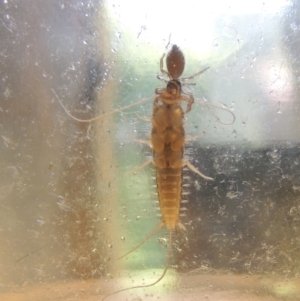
[189,99]
[162,79]
[162,66]
[194,75]
[159,91]
[143,117]
[193,138]
[139,167]
[195,170]
[143,142]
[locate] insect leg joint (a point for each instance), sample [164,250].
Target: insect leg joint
[195,170]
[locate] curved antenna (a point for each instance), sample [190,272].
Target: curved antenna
[156,281]
[143,241]
[218,107]
[169,41]
[103,115]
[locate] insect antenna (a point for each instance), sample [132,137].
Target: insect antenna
[143,241]
[103,115]
[220,108]
[28,254]
[156,281]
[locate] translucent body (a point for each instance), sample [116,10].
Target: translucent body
[168,138]
[167,141]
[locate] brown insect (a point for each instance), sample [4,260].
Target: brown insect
[168,138]
[167,141]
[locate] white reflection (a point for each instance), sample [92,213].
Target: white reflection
[155,20]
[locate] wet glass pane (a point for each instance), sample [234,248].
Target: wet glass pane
[76,192]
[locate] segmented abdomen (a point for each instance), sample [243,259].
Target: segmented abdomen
[168,140]
[169,192]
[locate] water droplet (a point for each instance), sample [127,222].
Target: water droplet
[40,222]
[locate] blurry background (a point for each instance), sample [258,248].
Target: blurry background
[66,205]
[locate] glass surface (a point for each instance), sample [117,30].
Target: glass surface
[70,201]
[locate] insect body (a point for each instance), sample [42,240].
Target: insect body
[168,138]
[167,141]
